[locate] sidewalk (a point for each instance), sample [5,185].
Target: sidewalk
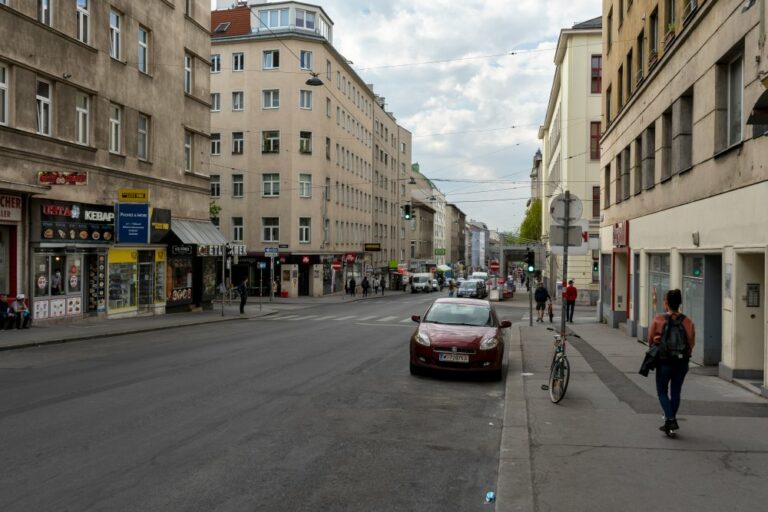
[604,435]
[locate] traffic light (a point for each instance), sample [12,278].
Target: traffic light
[594,266]
[407,214]
[530,261]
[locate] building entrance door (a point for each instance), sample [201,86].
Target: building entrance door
[146,279]
[4,260]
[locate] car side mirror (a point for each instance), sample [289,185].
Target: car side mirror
[505,324]
[416,318]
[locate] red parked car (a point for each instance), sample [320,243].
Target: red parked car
[461,335]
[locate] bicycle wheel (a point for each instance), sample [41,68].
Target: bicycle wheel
[558,379]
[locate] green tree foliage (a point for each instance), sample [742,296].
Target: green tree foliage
[214,210]
[530,229]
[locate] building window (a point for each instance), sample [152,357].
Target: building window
[3,94]
[640,57]
[305,19]
[142,147]
[270,141]
[237,229]
[216,63]
[237,143]
[630,69]
[327,192]
[274,18]
[215,144]
[82,115]
[115,134]
[215,185]
[608,105]
[215,102]
[328,69]
[607,184]
[609,30]
[328,148]
[271,59]
[271,98]
[188,4]
[44,12]
[305,229]
[187,73]
[270,185]
[596,202]
[620,88]
[305,142]
[305,185]
[305,100]
[653,38]
[735,99]
[143,60]
[670,15]
[594,140]
[43,99]
[238,101]
[83,21]
[187,151]
[237,185]
[114,34]
[238,61]
[305,59]
[270,228]
[328,108]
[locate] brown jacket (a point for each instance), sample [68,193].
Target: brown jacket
[657,327]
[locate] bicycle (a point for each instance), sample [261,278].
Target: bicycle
[559,371]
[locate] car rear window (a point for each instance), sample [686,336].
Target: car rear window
[459,314]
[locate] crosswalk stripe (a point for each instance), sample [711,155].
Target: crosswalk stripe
[344,318]
[386,319]
[323,318]
[366,318]
[405,320]
[286,317]
[308,317]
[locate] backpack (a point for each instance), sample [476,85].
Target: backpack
[673,343]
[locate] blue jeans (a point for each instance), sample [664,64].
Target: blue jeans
[669,382]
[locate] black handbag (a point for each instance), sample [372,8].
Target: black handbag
[650,360]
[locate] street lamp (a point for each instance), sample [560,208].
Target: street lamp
[314,80]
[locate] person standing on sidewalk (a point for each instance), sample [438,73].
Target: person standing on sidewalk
[570,300]
[675,335]
[352,286]
[541,296]
[365,285]
[242,289]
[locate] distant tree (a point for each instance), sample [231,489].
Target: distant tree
[512,238]
[530,229]
[214,210]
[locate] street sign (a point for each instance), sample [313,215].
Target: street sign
[557,209]
[261,265]
[494,266]
[283,246]
[576,239]
[336,265]
[271,251]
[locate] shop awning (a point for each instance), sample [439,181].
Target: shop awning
[197,232]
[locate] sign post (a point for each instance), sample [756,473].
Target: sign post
[271,252]
[224,250]
[262,266]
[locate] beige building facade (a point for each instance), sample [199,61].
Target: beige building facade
[98,97]
[683,174]
[570,156]
[312,172]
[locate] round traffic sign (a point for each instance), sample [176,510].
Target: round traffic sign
[557,209]
[336,265]
[494,266]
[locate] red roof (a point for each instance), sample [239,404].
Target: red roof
[239,20]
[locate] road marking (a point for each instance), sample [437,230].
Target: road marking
[366,318]
[406,320]
[286,317]
[344,318]
[323,318]
[386,319]
[302,318]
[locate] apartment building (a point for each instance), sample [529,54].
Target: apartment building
[104,119]
[456,221]
[570,157]
[683,175]
[477,240]
[312,171]
[420,230]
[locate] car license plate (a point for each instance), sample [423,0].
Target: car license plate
[454,358]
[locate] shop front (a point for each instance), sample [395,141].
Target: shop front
[10,231]
[136,278]
[69,243]
[195,248]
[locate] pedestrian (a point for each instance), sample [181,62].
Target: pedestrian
[352,286]
[242,289]
[365,285]
[675,335]
[4,311]
[274,288]
[541,296]
[570,300]
[382,284]
[451,288]
[19,312]
[375,285]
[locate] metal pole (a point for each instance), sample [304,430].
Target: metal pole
[565,258]
[261,285]
[530,298]
[271,277]
[223,276]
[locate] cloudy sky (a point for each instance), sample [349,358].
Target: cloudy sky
[446,70]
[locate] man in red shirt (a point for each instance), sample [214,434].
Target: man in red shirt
[570,300]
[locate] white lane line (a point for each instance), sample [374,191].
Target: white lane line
[366,318]
[308,317]
[344,318]
[323,318]
[405,320]
[386,319]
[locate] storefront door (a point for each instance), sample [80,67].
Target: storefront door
[5,267]
[146,279]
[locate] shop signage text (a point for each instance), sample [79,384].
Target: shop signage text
[132,223]
[62,177]
[75,222]
[160,225]
[372,247]
[182,250]
[133,195]
[10,207]
[216,250]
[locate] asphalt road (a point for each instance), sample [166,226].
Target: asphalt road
[309,410]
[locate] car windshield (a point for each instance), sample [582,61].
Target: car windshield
[459,314]
[469,284]
[420,279]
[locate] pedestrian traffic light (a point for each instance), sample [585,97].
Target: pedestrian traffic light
[594,266]
[407,212]
[530,261]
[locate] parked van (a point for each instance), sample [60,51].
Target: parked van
[421,282]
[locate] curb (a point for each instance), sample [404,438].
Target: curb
[515,481]
[127,332]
